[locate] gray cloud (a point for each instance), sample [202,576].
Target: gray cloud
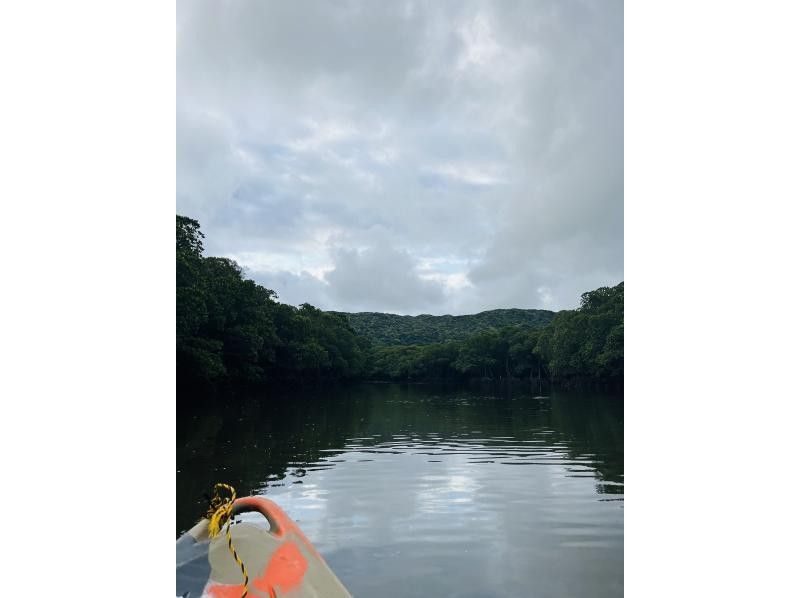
[294,288]
[381,278]
[471,150]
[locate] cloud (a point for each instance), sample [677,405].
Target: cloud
[295,289]
[369,279]
[380,279]
[473,149]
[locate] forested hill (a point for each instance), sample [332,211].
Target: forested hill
[392,329]
[231,331]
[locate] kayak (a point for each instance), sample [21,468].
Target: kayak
[250,560]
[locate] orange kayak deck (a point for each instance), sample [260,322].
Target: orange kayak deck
[280,561]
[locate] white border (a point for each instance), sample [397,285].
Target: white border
[88,195]
[711,163]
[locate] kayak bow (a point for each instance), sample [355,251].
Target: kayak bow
[249,560]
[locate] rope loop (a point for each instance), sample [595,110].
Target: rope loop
[220,513]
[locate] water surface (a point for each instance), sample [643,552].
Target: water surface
[420,491]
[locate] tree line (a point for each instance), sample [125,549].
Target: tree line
[425,329]
[231,330]
[579,347]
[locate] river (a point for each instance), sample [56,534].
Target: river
[424,491]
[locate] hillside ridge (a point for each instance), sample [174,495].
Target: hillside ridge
[394,329]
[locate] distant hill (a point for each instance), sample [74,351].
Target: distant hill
[391,329]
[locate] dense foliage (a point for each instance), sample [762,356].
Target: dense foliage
[494,354]
[391,329]
[587,343]
[579,347]
[232,329]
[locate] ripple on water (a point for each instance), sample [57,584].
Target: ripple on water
[436,486]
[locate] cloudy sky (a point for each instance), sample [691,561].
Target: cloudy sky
[410,157]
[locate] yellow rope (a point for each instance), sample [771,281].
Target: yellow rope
[220,512]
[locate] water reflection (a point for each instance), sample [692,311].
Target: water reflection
[420,491]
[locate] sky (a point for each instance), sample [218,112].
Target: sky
[406,157]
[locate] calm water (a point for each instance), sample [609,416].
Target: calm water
[419,491]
